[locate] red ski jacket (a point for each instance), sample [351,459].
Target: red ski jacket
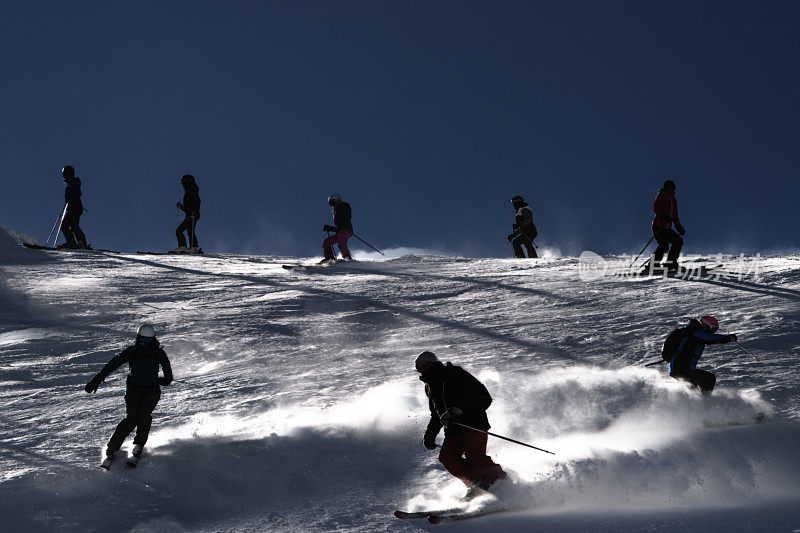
[665,206]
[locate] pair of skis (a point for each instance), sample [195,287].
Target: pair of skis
[65,248]
[317,265]
[446,516]
[699,271]
[140,252]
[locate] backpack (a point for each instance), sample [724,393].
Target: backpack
[673,341]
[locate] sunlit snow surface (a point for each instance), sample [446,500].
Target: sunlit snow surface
[297,407]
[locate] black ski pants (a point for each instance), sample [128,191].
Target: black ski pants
[702,379]
[524,239]
[188,225]
[71,229]
[666,237]
[139,405]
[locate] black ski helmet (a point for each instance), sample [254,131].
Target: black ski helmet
[517,201]
[334,199]
[68,172]
[187,178]
[669,184]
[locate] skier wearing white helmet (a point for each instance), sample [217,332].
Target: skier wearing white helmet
[688,350]
[342,226]
[144,358]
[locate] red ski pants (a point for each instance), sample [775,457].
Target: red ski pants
[465,457]
[340,239]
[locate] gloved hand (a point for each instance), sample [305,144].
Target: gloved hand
[515,227]
[511,237]
[92,385]
[164,381]
[449,416]
[328,227]
[733,338]
[180,205]
[429,441]
[680,229]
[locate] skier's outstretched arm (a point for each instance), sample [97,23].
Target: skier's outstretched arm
[116,362]
[713,338]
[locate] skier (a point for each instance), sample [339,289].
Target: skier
[455,396]
[70,226]
[191,208]
[143,391]
[524,230]
[697,334]
[341,225]
[665,207]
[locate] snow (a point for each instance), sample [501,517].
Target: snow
[296,406]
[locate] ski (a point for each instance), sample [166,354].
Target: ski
[701,271]
[755,420]
[299,266]
[303,267]
[66,249]
[410,515]
[169,253]
[446,518]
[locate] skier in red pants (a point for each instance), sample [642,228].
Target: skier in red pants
[341,225]
[456,396]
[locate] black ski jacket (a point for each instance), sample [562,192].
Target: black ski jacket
[143,361]
[524,221]
[191,199]
[449,386]
[72,194]
[341,216]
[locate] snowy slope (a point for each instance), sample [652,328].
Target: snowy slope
[296,405]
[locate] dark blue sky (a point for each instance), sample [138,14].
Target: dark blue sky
[427,116]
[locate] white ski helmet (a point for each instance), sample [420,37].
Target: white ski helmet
[146,330]
[333,198]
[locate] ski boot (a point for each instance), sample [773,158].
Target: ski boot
[478,489]
[136,452]
[179,250]
[106,464]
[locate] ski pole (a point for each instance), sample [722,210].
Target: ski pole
[59,221]
[61,214]
[748,351]
[501,437]
[643,249]
[368,244]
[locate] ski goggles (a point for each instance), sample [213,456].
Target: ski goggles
[423,366]
[146,340]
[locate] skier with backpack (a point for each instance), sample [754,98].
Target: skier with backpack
[665,207]
[144,358]
[70,226]
[191,209]
[342,226]
[684,346]
[524,231]
[456,397]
